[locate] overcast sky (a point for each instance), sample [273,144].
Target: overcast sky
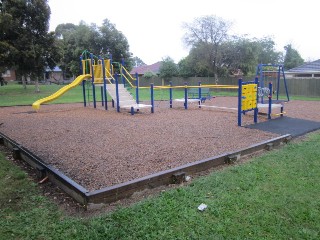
[154,28]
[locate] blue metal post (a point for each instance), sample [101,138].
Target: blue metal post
[84,93]
[278,82]
[170,93]
[102,98]
[239,101]
[104,85]
[285,83]
[185,96]
[200,97]
[83,83]
[152,98]
[117,93]
[261,80]
[93,87]
[255,113]
[270,100]
[137,88]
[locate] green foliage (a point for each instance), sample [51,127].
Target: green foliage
[103,41]
[185,67]
[206,35]
[29,46]
[292,58]
[274,196]
[149,75]
[215,53]
[137,62]
[168,68]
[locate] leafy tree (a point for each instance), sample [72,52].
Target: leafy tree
[206,36]
[137,62]
[266,51]
[25,42]
[168,68]
[292,57]
[103,41]
[149,75]
[186,67]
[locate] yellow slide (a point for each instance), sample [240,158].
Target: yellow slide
[76,82]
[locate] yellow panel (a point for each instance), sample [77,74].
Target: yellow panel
[97,71]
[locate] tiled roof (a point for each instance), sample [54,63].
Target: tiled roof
[310,67]
[141,70]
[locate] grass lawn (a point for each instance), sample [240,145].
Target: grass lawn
[13,94]
[274,196]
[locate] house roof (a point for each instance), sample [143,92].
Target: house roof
[141,70]
[310,67]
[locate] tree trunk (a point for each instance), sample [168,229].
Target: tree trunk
[24,81]
[37,85]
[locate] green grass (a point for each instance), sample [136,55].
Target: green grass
[13,94]
[275,196]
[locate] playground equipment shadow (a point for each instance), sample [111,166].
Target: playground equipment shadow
[97,148]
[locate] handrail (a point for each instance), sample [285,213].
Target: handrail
[128,74]
[128,81]
[108,73]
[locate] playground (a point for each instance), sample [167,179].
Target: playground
[97,149]
[98,152]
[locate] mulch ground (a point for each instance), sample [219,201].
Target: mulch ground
[98,148]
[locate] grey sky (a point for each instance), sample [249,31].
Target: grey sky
[154,28]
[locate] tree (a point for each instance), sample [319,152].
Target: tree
[185,67]
[102,41]
[207,34]
[266,51]
[168,68]
[292,57]
[30,48]
[137,62]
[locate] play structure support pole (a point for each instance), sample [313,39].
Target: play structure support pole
[278,82]
[117,93]
[185,96]
[93,88]
[152,99]
[285,83]
[239,101]
[102,98]
[137,88]
[255,111]
[270,100]
[199,84]
[170,93]
[83,83]
[104,85]
[84,93]
[261,82]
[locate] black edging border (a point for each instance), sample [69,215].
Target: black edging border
[126,189]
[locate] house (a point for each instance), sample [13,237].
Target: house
[54,75]
[307,70]
[141,70]
[9,75]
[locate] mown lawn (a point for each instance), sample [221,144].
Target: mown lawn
[274,196]
[14,94]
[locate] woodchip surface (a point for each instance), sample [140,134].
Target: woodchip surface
[98,148]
